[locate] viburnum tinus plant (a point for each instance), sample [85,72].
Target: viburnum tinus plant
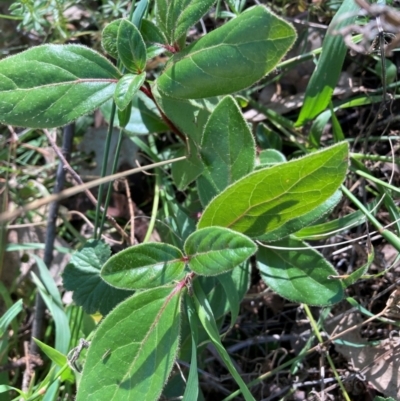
[163,299]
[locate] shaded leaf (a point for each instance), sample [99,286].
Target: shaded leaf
[134,348]
[51,85]
[82,276]
[146,265]
[296,224]
[227,150]
[299,275]
[230,58]
[265,200]
[270,157]
[144,119]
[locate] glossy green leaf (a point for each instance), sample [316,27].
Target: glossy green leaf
[144,119]
[82,276]
[51,85]
[265,200]
[299,275]
[126,88]
[131,47]
[227,150]
[296,224]
[109,38]
[215,250]
[325,77]
[134,348]
[175,17]
[230,58]
[146,265]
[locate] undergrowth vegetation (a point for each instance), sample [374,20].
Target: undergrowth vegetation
[220,218]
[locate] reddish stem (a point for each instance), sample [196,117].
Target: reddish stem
[147,91]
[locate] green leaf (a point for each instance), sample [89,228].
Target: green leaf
[175,17]
[232,295]
[124,115]
[109,38]
[361,271]
[126,88]
[215,250]
[192,385]
[265,200]
[230,58]
[299,275]
[319,231]
[9,316]
[186,171]
[51,85]
[58,358]
[270,157]
[134,348]
[82,275]
[268,139]
[152,34]
[296,224]
[190,117]
[52,298]
[139,13]
[131,47]
[207,319]
[325,77]
[145,117]
[227,150]
[144,266]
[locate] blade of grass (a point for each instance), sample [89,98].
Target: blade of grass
[326,75]
[206,317]
[192,385]
[388,235]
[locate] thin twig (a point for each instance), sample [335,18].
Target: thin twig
[79,188]
[131,210]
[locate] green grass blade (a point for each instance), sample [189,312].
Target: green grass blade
[192,385]
[206,317]
[326,75]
